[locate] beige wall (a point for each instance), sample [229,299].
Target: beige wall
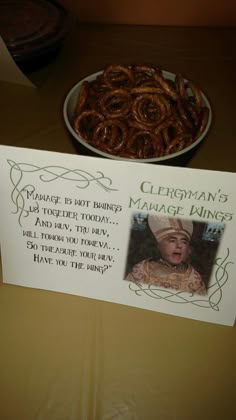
[156,12]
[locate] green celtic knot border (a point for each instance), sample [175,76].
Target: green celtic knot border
[215,290]
[49,173]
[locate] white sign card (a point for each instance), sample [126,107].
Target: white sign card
[154,237]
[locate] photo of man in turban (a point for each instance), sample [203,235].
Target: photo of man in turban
[173,268]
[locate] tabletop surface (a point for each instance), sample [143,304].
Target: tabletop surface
[65,357]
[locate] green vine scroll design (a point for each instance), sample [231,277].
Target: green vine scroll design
[215,292]
[50,173]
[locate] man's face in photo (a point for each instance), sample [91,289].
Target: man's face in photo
[174,248]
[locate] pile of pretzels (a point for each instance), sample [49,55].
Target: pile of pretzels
[136,112]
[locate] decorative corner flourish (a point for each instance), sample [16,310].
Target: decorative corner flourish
[214,295]
[83,179]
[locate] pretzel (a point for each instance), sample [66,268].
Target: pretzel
[110,135]
[136,113]
[115,103]
[87,119]
[150,109]
[178,143]
[82,97]
[204,115]
[180,86]
[118,75]
[149,141]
